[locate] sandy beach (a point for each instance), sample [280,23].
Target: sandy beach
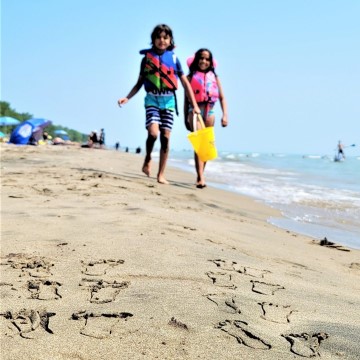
[100,262]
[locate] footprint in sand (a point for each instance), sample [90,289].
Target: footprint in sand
[354,266]
[225,303]
[99,325]
[27,323]
[257,273]
[34,266]
[102,291]
[221,279]
[265,288]
[304,344]
[177,324]
[42,191]
[240,331]
[245,270]
[94,175]
[44,289]
[224,264]
[237,305]
[99,267]
[276,313]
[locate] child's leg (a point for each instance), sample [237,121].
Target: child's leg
[153,130]
[164,152]
[200,165]
[167,120]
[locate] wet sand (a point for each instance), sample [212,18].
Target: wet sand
[99,261]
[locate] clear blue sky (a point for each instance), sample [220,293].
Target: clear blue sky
[290,69]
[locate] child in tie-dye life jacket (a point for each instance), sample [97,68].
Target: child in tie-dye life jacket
[159,73]
[207,90]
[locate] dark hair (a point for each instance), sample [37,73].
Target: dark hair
[167,30]
[194,65]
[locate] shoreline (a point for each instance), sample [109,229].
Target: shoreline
[308,220]
[98,259]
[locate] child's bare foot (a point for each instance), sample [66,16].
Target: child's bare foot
[162,180]
[146,168]
[200,183]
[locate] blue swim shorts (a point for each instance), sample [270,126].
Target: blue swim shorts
[211,110]
[161,101]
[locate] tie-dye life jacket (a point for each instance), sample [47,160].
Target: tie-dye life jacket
[160,71]
[204,86]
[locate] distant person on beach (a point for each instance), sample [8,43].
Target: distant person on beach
[340,148]
[93,139]
[117,145]
[207,88]
[102,138]
[138,150]
[58,141]
[159,73]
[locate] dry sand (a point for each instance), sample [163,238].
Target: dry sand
[100,262]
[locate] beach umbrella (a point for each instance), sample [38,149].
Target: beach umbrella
[60,132]
[8,121]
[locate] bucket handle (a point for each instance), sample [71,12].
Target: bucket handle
[201,121]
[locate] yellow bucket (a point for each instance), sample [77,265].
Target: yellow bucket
[203,142]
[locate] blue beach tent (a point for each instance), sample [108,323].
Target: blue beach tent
[32,127]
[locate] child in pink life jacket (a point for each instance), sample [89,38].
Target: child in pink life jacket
[207,90]
[159,73]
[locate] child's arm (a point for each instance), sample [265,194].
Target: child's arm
[186,112]
[189,93]
[133,91]
[223,104]
[186,107]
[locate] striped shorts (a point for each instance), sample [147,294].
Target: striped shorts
[160,110]
[163,117]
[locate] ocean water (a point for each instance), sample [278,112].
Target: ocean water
[316,196]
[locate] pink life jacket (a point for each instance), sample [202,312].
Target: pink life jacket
[205,87]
